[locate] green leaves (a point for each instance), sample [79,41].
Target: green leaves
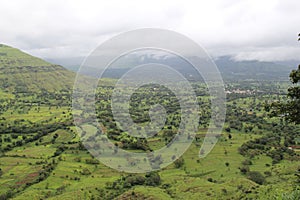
[295,75]
[290,109]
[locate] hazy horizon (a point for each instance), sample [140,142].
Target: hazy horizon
[245,30]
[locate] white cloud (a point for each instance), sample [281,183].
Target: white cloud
[269,54]
[264,30]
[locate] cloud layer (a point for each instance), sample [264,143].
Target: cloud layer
[249,29]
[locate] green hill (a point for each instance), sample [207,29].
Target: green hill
[23,73]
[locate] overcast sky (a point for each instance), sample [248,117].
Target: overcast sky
[247,29]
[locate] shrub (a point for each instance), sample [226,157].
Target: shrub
[244,169]
[227,129]
[267,173]
[179,162]
[247,162]
[153,179]
[133,180]
[210,180]
[257,177]
[85,171]
[224,191]
[91,161]
[77,159]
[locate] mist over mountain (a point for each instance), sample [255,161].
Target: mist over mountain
[229,68]
[253,70]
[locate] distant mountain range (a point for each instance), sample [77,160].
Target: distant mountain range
[21,72]
[253,70]
[229,68]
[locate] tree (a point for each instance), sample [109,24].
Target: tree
[290,109]
[257,177]
[229,136]
[153,179]
[244,169]
[227,164]
[179,162]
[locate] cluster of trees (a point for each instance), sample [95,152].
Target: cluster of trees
[259,145]
[59,150]
[26,128]
[240,119]
[140,103]
[41,131]
[278,154]
[116,188]
[269,145]
[129,142]
[290,109]
[46,170]
[91,161]
[150,179]
[255,176]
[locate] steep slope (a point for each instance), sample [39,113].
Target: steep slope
[21,73]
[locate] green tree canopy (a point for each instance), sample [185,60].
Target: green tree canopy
[290,109]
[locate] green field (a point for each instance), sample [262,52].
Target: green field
[56,166]
[43,157]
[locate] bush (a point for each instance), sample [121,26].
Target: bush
[257,177]
[133,180]
[247,162]
[92,161]
[224,191]
[210,180]
[268,173]
[150,179]
[179,162]
[77,159]
[153,179]
[244,169]
[227,129]
[85,171]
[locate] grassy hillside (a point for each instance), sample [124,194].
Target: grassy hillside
[12,57]
[42,156]
[23,73]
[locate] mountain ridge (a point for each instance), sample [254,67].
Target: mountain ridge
[23,73]
[229,68]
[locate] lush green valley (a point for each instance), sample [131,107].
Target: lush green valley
[42,156]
